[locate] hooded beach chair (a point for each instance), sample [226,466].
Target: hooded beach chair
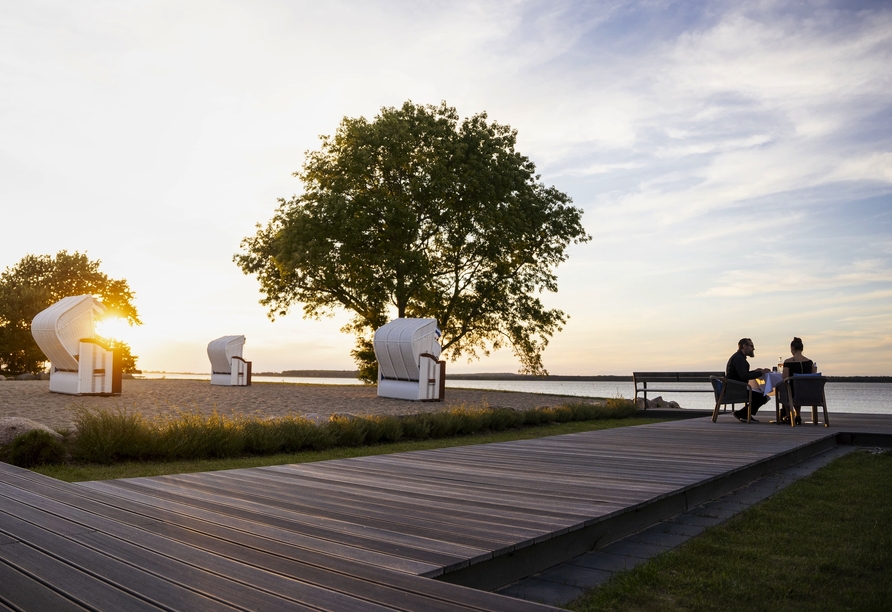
[409,365]
[227,366]
[80,363]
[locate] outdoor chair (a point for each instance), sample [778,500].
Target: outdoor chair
[409,365]
[80,363]
[803,390]
[732,392]
[228,368]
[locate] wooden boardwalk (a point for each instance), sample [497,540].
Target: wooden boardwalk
[370,533]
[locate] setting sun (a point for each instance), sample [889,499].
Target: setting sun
[114,328]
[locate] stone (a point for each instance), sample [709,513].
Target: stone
[644,404]
[26,377]
[13,427]
[659,402]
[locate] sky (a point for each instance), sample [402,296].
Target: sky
[733,161]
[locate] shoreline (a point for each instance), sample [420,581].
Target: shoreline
[496,376]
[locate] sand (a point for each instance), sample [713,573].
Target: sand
[33,400]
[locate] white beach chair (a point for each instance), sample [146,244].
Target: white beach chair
[80,364]
[227,366]
[409,365]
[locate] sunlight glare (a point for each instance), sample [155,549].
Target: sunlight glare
[113,328]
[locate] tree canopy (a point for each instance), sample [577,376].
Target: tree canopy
[38,281]
[419,214]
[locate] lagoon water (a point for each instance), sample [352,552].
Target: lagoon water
[867,398]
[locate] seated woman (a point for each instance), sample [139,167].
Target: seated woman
[797,364]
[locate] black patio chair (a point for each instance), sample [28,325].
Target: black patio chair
[732,392]
[803,390]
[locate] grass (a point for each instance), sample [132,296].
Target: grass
[74,472]
[105,436]
[822,544]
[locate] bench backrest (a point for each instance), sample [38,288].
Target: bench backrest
[673,377]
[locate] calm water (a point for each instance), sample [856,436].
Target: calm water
[873,398]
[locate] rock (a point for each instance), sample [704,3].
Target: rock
[659,402]
[44,376]
[13,427]
[644,404]
[26,377]
[316,418]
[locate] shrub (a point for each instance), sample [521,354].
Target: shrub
[347,431]
[105,436]
[36,447]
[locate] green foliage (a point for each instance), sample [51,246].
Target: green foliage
[105,436]
[422,215]
[34,448]
[38,281]
[78,472]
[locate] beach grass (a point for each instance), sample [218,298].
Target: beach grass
[822,544]
[76,472]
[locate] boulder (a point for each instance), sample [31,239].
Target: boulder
[13,427]
[26,377]
[644,404]
[659,402]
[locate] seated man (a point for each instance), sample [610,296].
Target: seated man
[738,368]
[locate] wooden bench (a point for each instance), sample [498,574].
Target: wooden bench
[640,379]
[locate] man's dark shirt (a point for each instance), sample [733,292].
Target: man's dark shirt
[738,368]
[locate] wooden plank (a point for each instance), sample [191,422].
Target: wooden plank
[473,535]
[394,543]
[20,591]
[410,592]
[381,503]
[63,539]
[383,492]
[163,570]
[109,506]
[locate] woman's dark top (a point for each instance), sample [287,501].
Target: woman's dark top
[799,367]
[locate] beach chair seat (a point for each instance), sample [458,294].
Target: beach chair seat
[80,363]
[409,365]
[228,368]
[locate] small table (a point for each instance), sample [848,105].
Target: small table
[772,380]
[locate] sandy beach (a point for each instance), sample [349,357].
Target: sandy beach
[33,400]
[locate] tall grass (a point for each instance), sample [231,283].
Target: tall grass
[104,436]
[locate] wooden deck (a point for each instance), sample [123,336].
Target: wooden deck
[370,533]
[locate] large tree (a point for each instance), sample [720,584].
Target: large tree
[419,214]
[38,281]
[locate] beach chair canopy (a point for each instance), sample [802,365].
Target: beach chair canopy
[228,368]
[222,350]
[408,360]
[400,344]
[81,363]
[59,329]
